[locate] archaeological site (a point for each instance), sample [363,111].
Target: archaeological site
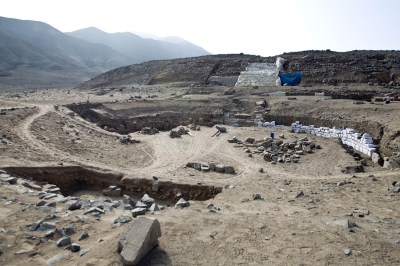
[229,159]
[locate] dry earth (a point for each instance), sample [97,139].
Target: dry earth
[280,229]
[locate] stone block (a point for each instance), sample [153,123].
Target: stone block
[141,237]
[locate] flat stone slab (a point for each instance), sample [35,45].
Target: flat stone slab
[141,237]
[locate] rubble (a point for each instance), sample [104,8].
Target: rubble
[149,131]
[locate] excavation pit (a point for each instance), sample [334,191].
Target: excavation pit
[75,179]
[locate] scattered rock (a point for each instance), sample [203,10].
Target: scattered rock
[138,211]
[11,180]
[84,251]
[347,251]
[154,207]
[300,194]
[74,247]
[122,219]
[94,210]
[221,129]
[31,186]
[147,200]
[47,226]
[141,237]
[112,191]
[229,169]
[360,213]
[64,241]
[84,236]
[69,229]
[257,197]
[182,203]
[352,169]
[75,205]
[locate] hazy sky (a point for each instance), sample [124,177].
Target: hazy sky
[260,27]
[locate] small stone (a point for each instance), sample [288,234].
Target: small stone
[229,169]
[300,194]
[75,205]
[94,210]
[122,219]
[182,203]
[347,251]
[41,203]
[84,236]
[75,247]
[128,207]
[261,170]
[140,204]
[50,233]
[64,241]
[31,186]
[219,168]
[11,180]
[257,197]
[210,206]
[84,251]
[138,211]
[2,248]
[154,207]
[126,199]
[112,191]
[147,200]
[69,229]
[46,226]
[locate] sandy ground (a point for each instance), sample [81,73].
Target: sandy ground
[280,229]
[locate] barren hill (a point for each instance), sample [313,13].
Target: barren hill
[319,67]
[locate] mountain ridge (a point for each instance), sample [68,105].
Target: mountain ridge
[140,49]
[35,54]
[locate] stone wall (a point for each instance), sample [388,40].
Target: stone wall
[360,142]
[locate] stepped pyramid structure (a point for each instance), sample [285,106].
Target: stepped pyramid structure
[258,74]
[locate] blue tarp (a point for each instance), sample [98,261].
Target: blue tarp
[290,79]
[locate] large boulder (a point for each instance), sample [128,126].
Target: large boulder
[141,237]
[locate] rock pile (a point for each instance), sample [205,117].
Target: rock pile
[213,167]
[149,130]
[5,140]
[277,151]
[194,127]
[126,139]
[144,205]
[392,162]
[178,133]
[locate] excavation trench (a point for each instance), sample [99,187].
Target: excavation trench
[71,179]
[129,120]
[134,119]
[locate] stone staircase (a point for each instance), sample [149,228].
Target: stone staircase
[258,74]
